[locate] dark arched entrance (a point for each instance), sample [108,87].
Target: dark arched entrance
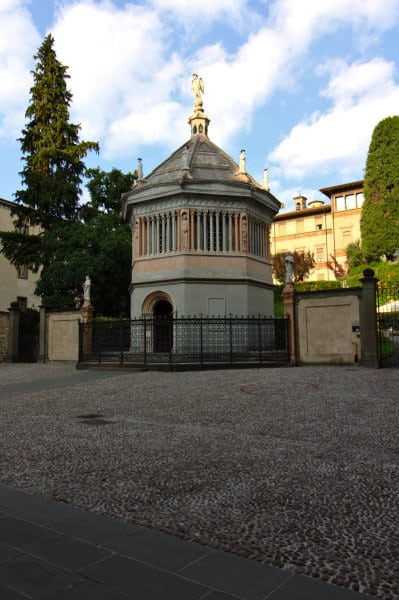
[163,326]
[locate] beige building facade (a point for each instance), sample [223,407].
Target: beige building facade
[324,229]
[16,285]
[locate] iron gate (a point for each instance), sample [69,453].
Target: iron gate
[186,340]
[388,324]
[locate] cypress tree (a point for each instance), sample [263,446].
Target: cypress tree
[380,213]
[53,163]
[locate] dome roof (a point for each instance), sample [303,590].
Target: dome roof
[197,161]
[199,167]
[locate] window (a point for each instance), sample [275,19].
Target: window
[22,302]
[299,226]
[340,202]
[350,201]
[22,273]
[319,254]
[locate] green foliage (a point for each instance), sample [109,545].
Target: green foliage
[354,255]
[53,163]
[106,189]
[313,286]
[101,249]
[380,212]
[278,301]
[303,263]
[386,272]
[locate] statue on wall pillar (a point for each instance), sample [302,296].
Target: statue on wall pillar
[185,231]
[86,289]
[244,233]
[136,238]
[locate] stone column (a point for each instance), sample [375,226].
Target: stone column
[368,321]
[43,335]
[87,312]
[224,233]
[13,332]
[211,228]
[230,232]
[198,231]
[288,296]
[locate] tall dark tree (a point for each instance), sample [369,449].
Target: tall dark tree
[53,163]
[380,213]
[303,263]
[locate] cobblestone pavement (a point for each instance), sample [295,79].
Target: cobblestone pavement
[296,468]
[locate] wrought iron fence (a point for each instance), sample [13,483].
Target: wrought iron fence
[388,324]
[185,340]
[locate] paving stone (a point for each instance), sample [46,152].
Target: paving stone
[142,581]
[34,577]
[66,552]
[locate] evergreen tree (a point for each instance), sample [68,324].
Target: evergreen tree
[53,163]
[380,213]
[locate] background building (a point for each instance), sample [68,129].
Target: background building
[323,229]
[16,285]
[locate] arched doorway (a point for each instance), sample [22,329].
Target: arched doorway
[163,326]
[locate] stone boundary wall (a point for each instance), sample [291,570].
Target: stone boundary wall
[4,330]
[62,336]
[328,326]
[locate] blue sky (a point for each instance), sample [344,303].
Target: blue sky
[300,84]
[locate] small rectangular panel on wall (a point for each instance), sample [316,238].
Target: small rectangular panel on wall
[216,307]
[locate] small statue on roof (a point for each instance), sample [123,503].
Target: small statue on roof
[197,85]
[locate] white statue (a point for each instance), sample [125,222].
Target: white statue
[197,85]
[139,168]
[185,156]
[243,160]
[289,268]
[86,288]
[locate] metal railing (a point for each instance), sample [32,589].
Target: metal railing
[185,340]
[388,324]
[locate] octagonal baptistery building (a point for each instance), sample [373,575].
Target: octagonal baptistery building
[200,234]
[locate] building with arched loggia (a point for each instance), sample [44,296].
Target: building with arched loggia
[200,233]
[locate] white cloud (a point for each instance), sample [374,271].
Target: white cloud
[18,42]
[121,72]
[197,14]
[363,94]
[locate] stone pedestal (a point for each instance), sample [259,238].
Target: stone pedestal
[288,296]
[87,312]
[368,320]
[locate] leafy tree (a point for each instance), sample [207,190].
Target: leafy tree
[354,255]
[380,213]
[303,263]
[100,248]
[106,189]
[335,266]
[53,164]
